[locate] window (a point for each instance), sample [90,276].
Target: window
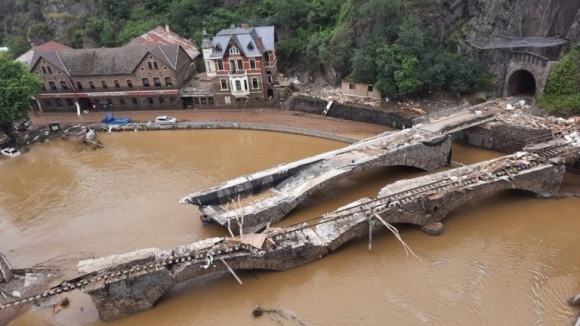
[203,101]
[43,87]
[245,84]
[52,86]
[43,70]
[134,100]
[157,82]
[228,100]
[150,65]
[104,83]
[49,69]
[234,50]
[269,77]
[252,64]
[58,102]
[117,85]
[224,84]
[168,81]
[238,85]
[64,86]
[122,101]
[267,56]
[255,83]
[129,83]
[150,100]
[218,48]
[350,86]
[220,65]
[79,85]
[48,103]
[155,66]
[210,100]
[145,82]
[70,103]
[172,99]
[232,65]
[240,64]
[91,85]
[250,46]
[161,101]
[370,88]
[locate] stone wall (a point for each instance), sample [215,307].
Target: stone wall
[500,137]
[348,111]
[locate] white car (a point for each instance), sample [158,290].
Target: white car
[9,151]
[165,119]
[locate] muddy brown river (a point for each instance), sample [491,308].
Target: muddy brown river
[509,260]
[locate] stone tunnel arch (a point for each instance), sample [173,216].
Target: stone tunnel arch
[521,82]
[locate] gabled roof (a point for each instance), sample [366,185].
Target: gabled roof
[252,42]
[160,36]
[27,57]
[50,46]
[51,56]
[106,61]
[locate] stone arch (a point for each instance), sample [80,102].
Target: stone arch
[447,205]
[521,82]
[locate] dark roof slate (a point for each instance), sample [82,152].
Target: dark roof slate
[106,61]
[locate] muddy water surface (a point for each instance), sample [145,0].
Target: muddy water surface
[510,260]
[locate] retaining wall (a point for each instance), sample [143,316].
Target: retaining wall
[354,112]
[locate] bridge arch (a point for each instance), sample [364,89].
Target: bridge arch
[451,202]
[521,82]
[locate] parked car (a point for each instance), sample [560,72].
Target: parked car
[9,151]
[165,119]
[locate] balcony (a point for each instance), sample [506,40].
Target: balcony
[237,72]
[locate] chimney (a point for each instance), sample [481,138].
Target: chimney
[167,28]
[246,26]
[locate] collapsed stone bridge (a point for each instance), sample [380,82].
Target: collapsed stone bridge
[268,196]
[122,285]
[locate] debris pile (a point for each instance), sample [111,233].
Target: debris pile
[518,115]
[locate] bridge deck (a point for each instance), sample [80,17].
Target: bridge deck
[292,182]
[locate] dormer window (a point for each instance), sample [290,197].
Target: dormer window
[218,48]
[234,50]
[250,46]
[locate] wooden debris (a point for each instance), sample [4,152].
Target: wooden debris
[60,306]
[397,235]
[231,270]
[255,240]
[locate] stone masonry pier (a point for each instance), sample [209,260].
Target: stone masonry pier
[121,285]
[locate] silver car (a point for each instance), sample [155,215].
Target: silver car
[165,119]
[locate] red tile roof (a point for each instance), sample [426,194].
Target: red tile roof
[50,46]
[163,36]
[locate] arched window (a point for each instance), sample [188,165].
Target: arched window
[52,85]
[168,81]
[156,82]
[64,86]
[145,82]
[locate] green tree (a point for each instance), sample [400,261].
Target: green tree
[18,87]
[17,45]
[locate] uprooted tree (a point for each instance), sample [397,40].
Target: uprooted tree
[18,87]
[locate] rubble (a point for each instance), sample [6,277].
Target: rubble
[519,114]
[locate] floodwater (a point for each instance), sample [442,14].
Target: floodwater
[509,260]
